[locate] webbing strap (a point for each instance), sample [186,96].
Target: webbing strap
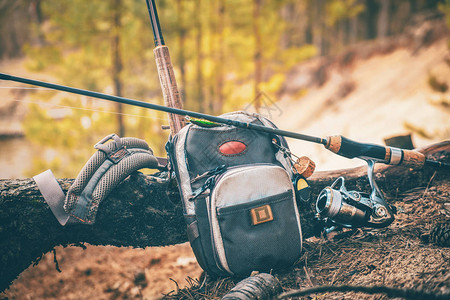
[53,195]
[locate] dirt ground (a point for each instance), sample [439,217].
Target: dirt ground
[106,272]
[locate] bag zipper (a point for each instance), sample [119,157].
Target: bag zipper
[209,183]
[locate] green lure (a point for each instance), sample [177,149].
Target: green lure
[203,122]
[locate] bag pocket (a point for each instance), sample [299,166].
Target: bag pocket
[254,220]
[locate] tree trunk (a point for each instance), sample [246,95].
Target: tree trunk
[220,54]
[317,26]
[146,211]
[353,35]
[372,8]
[208,55]
[14,28]
[383,20]
[181,48]
[199,41]
[35,12]
[257,54]
[117,63]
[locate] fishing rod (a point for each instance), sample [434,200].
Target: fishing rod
[337,143]
[166,73]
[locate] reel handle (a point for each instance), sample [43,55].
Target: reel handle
[382,214]
[384,154]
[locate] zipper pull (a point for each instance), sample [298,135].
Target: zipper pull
[207,185]
[219,170]
[216,171]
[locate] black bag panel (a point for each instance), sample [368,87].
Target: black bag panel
[198,252]
[260,247]
[202,246]
[202,150]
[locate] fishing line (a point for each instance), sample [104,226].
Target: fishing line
[88,109]
[24,88]
[72,107]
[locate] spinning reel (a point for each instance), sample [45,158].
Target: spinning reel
[338,207]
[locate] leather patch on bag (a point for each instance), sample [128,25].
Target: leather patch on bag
[261,214]
[232,148]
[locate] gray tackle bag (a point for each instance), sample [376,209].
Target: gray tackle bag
[238,196]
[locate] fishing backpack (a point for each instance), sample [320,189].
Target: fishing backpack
[238,196]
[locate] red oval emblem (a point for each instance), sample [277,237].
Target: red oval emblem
[232,148]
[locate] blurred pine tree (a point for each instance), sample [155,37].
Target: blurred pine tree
[225,54]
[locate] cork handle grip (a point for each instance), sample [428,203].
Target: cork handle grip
[413,159]
[169,87]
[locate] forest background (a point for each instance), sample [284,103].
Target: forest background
[227,55]
[325,63]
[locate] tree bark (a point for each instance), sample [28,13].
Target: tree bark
[257,53]
[146,211]
[372,8]
[181,48]
[383,19]
[199,60]
[317,26]
[220,54]
[117,64]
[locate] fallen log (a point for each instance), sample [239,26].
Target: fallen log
[146,211]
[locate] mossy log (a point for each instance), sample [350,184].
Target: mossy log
[146,211]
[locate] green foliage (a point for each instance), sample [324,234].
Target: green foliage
[215,70]
[42,57]
[436,84]
[78,50]
[291,56]
[445,8]
[342,9]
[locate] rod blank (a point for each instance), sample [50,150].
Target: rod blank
[157,33]
[171,110]
[337,144]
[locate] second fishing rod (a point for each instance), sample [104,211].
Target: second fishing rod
[337,144]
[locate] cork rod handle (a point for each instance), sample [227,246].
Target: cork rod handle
[169,87]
